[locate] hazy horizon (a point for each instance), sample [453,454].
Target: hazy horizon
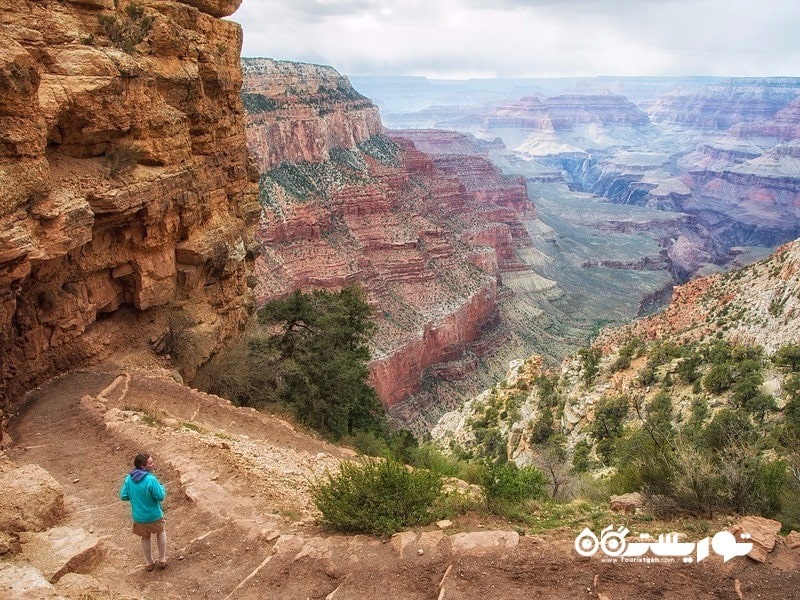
[485,39]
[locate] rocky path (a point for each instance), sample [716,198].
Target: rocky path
[241,525]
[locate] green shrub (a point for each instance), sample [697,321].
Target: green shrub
[379,497]
[607,426]
[582,457]
[382,149]
[590,363]
[426,456]
[507,484]
[548,390]
[718,379]
[626,353]
[258,103]
[687,368]
[728,428]
[543,429]
[788,356]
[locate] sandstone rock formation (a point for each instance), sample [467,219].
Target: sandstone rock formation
[298,112]
[125,187]
[430,238]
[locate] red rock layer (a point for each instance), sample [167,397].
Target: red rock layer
[727,103]
[391,234]
[565,112]
[309,110]
[784,125]
[428,239]
[170,228]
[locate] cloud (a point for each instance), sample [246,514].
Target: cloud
[457,38]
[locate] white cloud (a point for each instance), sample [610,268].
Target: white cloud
[457,38]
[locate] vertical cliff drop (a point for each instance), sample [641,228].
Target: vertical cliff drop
[127,207]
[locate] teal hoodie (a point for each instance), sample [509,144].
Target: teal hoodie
[145,495]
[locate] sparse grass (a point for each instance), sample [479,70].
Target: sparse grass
[382,149]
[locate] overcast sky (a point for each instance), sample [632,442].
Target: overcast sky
[533,38]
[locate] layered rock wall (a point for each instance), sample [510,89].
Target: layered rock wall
[298,112]
[725,104]
[430,239]
[123,166]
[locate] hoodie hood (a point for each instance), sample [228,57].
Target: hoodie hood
[138,474]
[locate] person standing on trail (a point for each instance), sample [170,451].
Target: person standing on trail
[145,493]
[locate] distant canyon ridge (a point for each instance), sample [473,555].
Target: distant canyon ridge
[519,223]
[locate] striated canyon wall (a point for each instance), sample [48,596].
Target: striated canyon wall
[126,200]
[298,112]
[430,239]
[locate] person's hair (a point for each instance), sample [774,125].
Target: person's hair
[140,460]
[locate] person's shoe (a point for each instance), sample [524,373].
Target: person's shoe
[161,564]
[150,567]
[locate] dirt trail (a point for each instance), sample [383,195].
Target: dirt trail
[240,521]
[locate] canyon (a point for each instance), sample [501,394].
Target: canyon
[721,153]
[433,239]
[512,227]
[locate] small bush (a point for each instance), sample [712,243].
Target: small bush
[258,103]
[506,484]
[377,497]
[788,357]
[718,379]
[590,363]
[122,159]
[129,30]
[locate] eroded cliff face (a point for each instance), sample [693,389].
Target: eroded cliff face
[126,201]
[298,112]
[431,239]
[756,306]
[722,105]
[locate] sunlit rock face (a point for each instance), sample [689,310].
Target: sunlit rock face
[123,166]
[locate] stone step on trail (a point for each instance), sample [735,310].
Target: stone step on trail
[61,550]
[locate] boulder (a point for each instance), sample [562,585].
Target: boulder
[793,540]
[626,503]
[23,581]
[61,550]
[31,500]
[763,534]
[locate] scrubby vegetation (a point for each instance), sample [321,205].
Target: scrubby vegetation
[700,429]
[258,103]
[309,354]
[128,30]
[379,497]
[382,149]
[122,159]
